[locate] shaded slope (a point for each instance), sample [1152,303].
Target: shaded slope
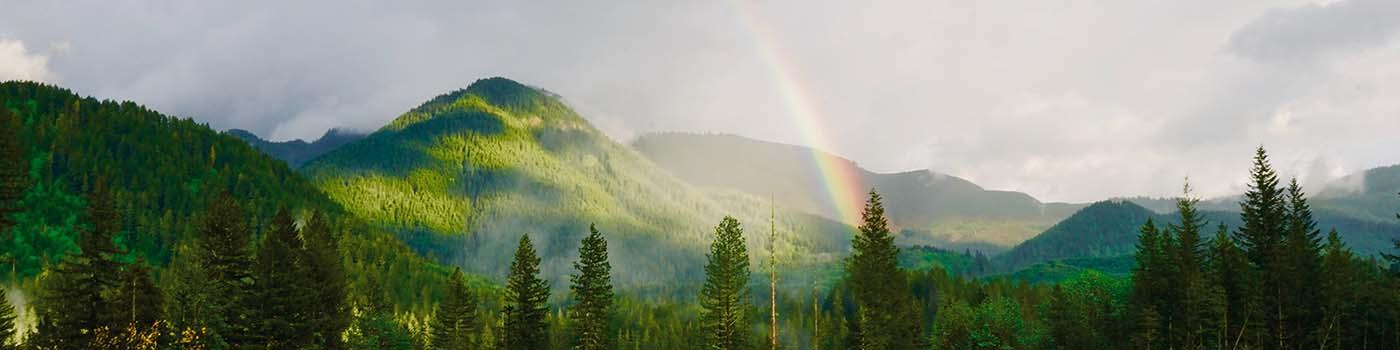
[298,152]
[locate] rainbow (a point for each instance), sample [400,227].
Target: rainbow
[843,185]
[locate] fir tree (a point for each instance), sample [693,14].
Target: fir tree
[8,341]
[1228,267]
[77,306]
[593,293]
[724,319]
[1301,255]
[327,310]
[138,303]
[279,297]
[227,265]
[375,328]
[1337,291]
[454,323]
[1148,278]
[526,294]
[1264,213]
[1193,319]
[885,310]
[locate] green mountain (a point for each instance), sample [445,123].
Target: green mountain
[163,172]
[1369,195]
[463,175]
[298,152]
[936,209]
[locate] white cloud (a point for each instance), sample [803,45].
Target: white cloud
[18,63]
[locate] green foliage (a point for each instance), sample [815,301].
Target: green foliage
[724,297]
[593,294]
[278,296]
[76,306]
[454,324]
[525,297]
[8,341]
[327,308]
[885,319]
[14,169]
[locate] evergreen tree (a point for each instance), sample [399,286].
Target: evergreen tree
[593,293]
[375,328]
[1193,322]
[1227,271]
[76,305]
[279,298]
[1265,217]
[14,170]
[1301,254]
[454,323]
[1337,291]
[227,265]
[8,341]
[724,298]
[885,309]
[1149,280]
[327,310]
[526,294]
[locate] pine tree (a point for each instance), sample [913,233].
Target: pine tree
[1193,320]
[454,323]
[526,294]
[279,300]
[1264,213]
[327,310]
[7,321]
[724,296]
[1301,253]
[225,260]
[14,170]
[77,306]
[593,293]
[1227,271]
[1337,291]
[886,311]
[375,328]
[1148,282]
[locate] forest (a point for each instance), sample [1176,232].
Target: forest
[128,229]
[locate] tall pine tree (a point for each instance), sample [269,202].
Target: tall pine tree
[1265,215]
[279,299]
[227,265]
[1228,267]
[327,310]
[724,298]
[1301,252]
[593,293]
[1193,320]
[76,305]
[1148,279]
[886,312]
[526,294]
[1337,292]
[454,323]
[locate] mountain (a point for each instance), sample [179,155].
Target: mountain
[1369,195]
[462,176]
[298,152]
[163,171]
[936,209]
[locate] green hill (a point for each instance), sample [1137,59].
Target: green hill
[943,210]
[462,176]
[163,171]
[298,152]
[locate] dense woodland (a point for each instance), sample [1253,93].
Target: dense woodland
[127,229]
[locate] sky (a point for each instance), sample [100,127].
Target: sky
[1067,100]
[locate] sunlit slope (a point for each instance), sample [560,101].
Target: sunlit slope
[943,210]
[462,176]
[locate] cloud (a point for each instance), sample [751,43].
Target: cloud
[1066,101]
[17,63]
[1307,31]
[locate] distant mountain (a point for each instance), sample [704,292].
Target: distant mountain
[1373,194]
[298,152]
[464,175]
[935,209]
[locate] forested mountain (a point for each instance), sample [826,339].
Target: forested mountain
[298,152]
[936,209]
[462,176]
[162,172]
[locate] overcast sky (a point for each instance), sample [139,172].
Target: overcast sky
[1066,100]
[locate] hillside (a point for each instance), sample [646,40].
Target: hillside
[163,171]
[298,152]
[943,210]
[462,176]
